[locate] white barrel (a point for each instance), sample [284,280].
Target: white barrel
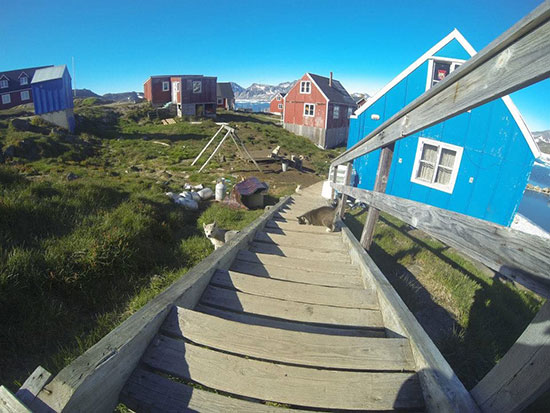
[220,190]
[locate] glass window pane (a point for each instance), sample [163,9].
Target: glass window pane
[447,158]
[441,70]
[429,153]
[425,172]
[443,176]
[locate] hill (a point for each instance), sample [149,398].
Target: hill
[542,138]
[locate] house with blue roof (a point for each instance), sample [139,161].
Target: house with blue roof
[53,96]
[476,163]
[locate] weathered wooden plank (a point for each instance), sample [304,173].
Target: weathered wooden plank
[9,403]
[303,293]
[298,386]
[289,324]
[347,179]
[290,310]
[292,227]
[380,184]
[32,386]
[305,253]
[150,392]
[522,375]
[518,58]
[104,368]
[519,256]
[297,275]
[336,268]
[291,347]
[303,240]
[443,391]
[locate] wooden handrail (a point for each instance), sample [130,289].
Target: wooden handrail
[522,257]
[516,59]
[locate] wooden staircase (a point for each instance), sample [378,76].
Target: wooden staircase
[290,324]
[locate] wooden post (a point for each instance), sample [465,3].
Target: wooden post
[522,375]
[347,179]
[382,174]
[207,145]
[333,179]
[215,150]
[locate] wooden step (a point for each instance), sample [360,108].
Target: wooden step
[305,253]
[290,310]
[298,386]
[149,392]
[295,227]
[336,268]
[290,325]
[298,275]
[304,293]
[291,347]
[301,240]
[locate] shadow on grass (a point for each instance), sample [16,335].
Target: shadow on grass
[241,117]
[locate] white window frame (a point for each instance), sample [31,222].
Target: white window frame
[454,172]
[454,64]
[336,112]
[279,98]
[4,100]
[280,105]
[165,86]
[199,89]
[23,80]
[311,109]
[27,94]
[305,87]
[4,83]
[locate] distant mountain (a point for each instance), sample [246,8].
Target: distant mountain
[86,93]
[259,92]
[542,139]
[357,95]
[123,97]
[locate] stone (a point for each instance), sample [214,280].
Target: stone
[71,176]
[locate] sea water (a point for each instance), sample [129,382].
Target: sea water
[534,205]
[255,106]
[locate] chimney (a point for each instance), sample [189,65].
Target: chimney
[330,80]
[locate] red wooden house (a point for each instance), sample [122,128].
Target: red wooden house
[15,87]
[277,103]
[319,108]
[193,95]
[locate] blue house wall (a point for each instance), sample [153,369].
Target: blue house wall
[53,95]
[495,164]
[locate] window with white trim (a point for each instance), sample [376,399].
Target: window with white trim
[440,69]
[336,112]
[3,84]
[220,101]
[280,106]
[165,86]
[25,95]
[197,86]
[177,86]
[305,86]
[6,99]
[23,81]
[436,164]
[309,109]
[279,98]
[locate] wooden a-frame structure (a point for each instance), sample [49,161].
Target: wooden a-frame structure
[236,140]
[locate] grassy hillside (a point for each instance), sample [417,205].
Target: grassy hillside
[87,235]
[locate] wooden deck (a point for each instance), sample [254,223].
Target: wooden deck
[290,324]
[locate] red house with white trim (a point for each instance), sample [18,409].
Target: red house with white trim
[319,108]
[193,95]
[277,103]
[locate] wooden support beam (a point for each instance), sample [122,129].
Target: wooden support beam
[516,59]
[207,145]
[347,179]
[519,256]
[10,404]
[523,374]
[32,386]
[215,150]
[246,150]
[380,184]
[333,180]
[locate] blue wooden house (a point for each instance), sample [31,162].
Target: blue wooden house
[477,163]
[53,95]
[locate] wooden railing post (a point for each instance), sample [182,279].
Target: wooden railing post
[347,179]
[333,179]
[522,375]
[382,175]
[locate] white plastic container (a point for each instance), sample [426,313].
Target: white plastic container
[220,190]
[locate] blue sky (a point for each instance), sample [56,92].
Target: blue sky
[118,44]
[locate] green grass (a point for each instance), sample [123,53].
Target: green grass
[78,257]
[489,315]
